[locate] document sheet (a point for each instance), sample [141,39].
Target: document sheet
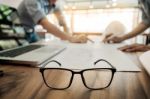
[83,56]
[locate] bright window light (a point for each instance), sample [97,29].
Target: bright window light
[89,21]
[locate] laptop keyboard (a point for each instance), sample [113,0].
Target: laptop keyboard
[19,51]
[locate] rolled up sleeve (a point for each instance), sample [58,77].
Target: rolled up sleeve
[58,8]
[145,19]
[34,10]
[60,16]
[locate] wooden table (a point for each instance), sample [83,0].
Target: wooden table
[20,82]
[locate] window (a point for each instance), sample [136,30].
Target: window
[96,20]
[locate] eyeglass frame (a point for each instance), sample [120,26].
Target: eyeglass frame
[112,69]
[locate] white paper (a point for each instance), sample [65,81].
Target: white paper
[76,56]
[83,56]
[117,58]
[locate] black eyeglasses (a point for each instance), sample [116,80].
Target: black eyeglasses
[93,78]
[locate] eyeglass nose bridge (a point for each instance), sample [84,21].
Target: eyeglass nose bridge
[77,72]
[81,75]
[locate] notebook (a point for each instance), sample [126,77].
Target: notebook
[33,55]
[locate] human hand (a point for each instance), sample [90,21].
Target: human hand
[110,38]
[135,48]
[78,39]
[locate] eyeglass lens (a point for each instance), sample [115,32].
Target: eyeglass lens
[99,78]
[57,78]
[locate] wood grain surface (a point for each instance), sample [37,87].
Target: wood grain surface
[20,82]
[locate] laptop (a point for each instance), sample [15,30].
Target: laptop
[33,55]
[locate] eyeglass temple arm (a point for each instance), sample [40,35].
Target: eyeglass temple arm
[52,61]
[104,61]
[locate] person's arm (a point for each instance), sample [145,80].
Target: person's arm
[58,33]
[116,39]
[138,30]
[51,28]
[60,17]
[135,48]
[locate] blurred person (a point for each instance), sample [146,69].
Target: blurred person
[33,12]
[141,27]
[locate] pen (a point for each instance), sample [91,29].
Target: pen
[91,40]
